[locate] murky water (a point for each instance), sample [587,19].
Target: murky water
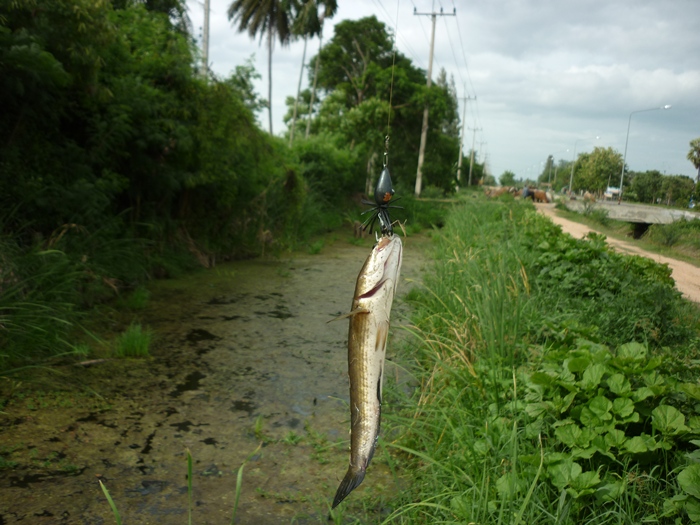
[244,356]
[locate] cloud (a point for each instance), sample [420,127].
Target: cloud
[545,72]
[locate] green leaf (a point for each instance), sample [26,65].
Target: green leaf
[508,482]
[623,406]
[619,384]
[641,394]
[615,438]
[668,420]
[655,382]
[601,406]
[592,376]
[564,473]
[587,418]
[583,453]
[586,480]
[631,353]
[691,389]
[568,434]
[535,410]
[692,507]
[610,491]
[636,445]
[568,399]
[541,378]
[689,480]
[577,364]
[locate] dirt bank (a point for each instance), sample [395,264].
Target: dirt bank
[686,275]
[244,356]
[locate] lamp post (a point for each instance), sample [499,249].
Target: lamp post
[573,163]
[624,157]
[556,168]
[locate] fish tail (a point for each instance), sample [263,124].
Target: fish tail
[350,482]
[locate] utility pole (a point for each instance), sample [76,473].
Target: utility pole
[471,160]
[205,41]
[424,129]
[461,139]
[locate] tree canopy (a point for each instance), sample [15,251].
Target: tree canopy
[360,73]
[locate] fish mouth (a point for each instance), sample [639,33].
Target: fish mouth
[392,260]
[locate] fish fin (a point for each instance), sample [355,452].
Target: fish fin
[350,482]
[349,314]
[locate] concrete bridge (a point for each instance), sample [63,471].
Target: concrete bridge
[633,212]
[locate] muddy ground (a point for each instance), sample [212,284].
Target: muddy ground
[244,358]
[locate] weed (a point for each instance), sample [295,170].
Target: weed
[667,234]
[137,299]
[315,247]
[292,438]
[135,341]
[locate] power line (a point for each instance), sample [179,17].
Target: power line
[399,35]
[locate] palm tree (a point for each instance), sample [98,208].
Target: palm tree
[694,157]
[309,23]
[270,17]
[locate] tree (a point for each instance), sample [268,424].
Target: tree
[647,185]
[595,169]
[309,23]
[265,17]
[507,178]
[694,157]
[677,190]
[358,77]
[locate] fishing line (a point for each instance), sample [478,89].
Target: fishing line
[391,84]
[384,189]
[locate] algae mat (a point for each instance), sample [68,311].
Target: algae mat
[244,356]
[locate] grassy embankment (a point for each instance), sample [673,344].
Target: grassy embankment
[558,381]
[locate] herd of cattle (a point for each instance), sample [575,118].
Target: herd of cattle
[535,195]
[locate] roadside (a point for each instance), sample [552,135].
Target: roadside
[686,275]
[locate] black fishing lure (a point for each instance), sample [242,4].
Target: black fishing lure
[383,193]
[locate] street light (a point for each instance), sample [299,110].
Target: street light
[555,169]
[573,163]
[624,157]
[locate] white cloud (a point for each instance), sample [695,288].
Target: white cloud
[545,72]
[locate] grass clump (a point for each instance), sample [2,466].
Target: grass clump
[677,232]
[135,341]
[548,390]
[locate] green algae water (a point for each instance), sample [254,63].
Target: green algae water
[244,355]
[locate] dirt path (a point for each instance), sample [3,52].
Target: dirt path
[686,275]
[245,356]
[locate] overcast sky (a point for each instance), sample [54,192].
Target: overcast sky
[548,75]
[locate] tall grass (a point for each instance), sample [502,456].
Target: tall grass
[485,321]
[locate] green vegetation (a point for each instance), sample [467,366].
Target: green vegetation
[678,240]
[558,381]
[121,162]
[135,341]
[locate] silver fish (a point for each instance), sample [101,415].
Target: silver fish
[369,329]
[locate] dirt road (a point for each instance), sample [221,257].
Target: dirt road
[686,275]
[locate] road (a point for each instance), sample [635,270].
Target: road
[686,275]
